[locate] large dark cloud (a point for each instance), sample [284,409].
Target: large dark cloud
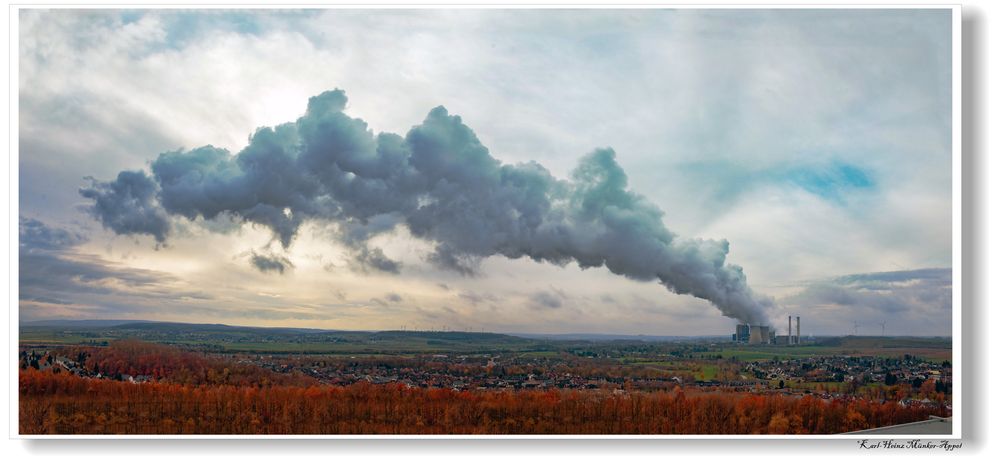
[442,185]
[128,205]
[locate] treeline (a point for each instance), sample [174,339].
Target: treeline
[173,365]
[61,403]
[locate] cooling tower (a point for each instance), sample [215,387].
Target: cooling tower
[759,334]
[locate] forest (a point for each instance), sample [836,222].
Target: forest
[189,393]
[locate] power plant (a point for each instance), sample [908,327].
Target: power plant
[741,333]
[763,335]
[753,334]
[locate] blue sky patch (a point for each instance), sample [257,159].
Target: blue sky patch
[830,181]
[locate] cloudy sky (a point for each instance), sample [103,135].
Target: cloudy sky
[636,171]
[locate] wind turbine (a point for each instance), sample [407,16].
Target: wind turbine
[855,326]
[883,328]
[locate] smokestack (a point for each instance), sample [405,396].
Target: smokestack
[797,338]
[789,330]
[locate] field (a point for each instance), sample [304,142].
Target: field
[278,340]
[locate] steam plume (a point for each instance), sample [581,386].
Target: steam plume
[440,183]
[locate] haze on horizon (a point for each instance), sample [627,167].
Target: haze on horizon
[817,143]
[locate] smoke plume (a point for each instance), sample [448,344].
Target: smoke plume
[442,185]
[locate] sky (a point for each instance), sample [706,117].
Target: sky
[660,172]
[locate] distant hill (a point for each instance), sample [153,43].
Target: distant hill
[79,323]
[160,326]
[271,340]
[213,327]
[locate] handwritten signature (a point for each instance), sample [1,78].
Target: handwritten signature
[915,444]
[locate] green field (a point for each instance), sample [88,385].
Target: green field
[933,351]
[760,353]
[708,372]
[698,359]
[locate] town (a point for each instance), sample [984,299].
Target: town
[616,367]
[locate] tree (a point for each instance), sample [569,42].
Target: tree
[779,424]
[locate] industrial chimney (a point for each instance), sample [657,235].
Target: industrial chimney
[797,338]
[789,341]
